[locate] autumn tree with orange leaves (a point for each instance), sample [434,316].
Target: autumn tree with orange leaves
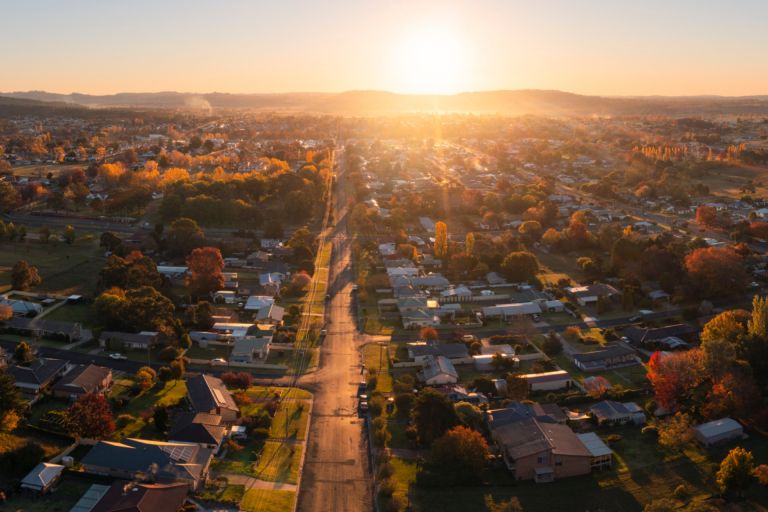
[716,271]
[205,266]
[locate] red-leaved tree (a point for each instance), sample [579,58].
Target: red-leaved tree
[91,417]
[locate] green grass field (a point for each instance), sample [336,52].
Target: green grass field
[279,462]
[268,500]
[140,407]
[65,269]
[377,362]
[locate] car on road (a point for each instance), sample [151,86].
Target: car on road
[217,362]
[117,355]
[362,406]
[327,297]
[362,390]
[323,332]
[354,287]
[635,318]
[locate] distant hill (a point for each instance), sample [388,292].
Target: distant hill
[516,102]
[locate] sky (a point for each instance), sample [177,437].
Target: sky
[602,47]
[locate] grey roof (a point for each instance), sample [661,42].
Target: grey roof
[207,393]
[42,475]
[198,428]
[640,335]
[129,337]
[437,366]
[174,460]
[599,355]
[52,326]
[718,427]
[91,497]
[39,371]
[609,409]
[595,445]
[125,496]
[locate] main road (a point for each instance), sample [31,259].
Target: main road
[336,476]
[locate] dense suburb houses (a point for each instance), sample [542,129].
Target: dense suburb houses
[550,313]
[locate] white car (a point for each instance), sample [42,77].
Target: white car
[117,355]
[218,362]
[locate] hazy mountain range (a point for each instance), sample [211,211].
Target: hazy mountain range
[515,102]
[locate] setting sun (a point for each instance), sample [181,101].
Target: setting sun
[431,60]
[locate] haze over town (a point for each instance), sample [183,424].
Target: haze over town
[383,256]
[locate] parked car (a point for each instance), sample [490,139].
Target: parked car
[635,318]
[362,389]
[217,362]
[363,406]
[117,355]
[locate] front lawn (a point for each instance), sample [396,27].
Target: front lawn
[279,462]
[376,359]
[268,500]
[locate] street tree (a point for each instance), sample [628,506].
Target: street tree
[206,267]
[24,276]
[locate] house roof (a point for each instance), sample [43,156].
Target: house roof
[42,475]
[553,376]
[438,366]
[124,496]
[39,371]
[86,379]
[529,436]
[718,427]
[23,323]
[599,355]
[130,337]
[207,393]
[198,428]
[640,334]
[256,302]
[592,290]
[173,460]
[609,409]
[595,445]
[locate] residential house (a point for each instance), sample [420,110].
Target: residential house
[612,356]
[67,331]
[83,379]
[165,462]
[271,282]
[438,371]
[199,428]
[512,311]
[248,348]
[419,318]
[643,335]
[21,307]
[718,431]
[125,496]
[515,411]
[42,478]
[208,394]
[602,456]
[128,340]
[456,393]
[258,302]
[224,297]
[38,376]
[548,381]
[455,294]
[589,294]
[273,314]
[609,412]
[541,451]
[421,351]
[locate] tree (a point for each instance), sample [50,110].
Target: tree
[183,236]
[69,234]
[433,415]
[441,240]
[45,234]
[520,267]
[469,415]
[6,312]
[428,334]
[241,380]
[23,353]
[706,215]
[551,345]
[677,378]
[178,368]
[11,403]
[737,472]
[469,244]
[24,276]
[90,417]
[531,229]
[517,387]
[716,271]
[146,377]
[205,266]
[511,505]
[9,196]
[138,309]
[160,415]
[404,404]
[461,453]
[675,433]
[758,324]
[729,325]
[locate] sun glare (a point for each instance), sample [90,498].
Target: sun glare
[431,60]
